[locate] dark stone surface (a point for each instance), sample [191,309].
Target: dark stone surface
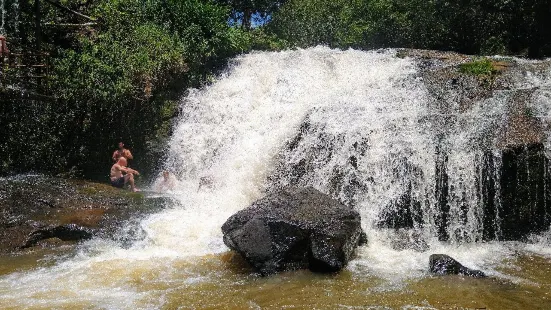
[525,207]
[522,184]
[36,208]
[69,232]
[442,191]
[514,189]
[404,212]
[442,264]
[487,194]
[295,228]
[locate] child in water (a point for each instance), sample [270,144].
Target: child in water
[167,183]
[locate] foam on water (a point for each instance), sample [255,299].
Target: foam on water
[361,126]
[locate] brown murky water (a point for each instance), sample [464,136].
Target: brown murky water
[33,258]
[223,281]
[348,290]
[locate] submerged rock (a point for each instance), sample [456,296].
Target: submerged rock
[295,228]
[442,264]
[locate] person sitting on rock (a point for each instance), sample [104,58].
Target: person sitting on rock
[3,47]
[121,152]
[4,52]
[122,175]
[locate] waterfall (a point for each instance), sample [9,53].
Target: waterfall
[362,126]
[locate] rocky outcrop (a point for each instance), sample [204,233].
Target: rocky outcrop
[295,228]
[512,167]
[525,206]
[441,264]
[34,209]
[69,232]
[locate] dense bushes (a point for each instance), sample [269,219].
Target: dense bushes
[125,79]
[467,26]
[121,78]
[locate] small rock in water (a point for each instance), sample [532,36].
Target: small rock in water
[295,228]
[442,264]
[69,232]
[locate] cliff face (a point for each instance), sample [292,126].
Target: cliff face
[465,159]
[513,166]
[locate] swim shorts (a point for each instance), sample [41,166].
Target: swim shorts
[118,183]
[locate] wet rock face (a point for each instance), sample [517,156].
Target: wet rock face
[295,228]
[38,208]
[402,213]
[69,232]
[512,169]
[441,264]
[513,188]
[525,207]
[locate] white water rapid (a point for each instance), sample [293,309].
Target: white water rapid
[360,126]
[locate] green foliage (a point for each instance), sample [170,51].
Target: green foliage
[126,78]
[357,23]
[468,26]
[119,79]
[479,67]
[307,23]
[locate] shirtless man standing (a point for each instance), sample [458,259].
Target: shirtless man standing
[118,179]
[3,48]
[121,152]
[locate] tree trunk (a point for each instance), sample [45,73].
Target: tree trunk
[247,16]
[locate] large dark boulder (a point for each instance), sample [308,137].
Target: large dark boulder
[295,228]
[442,264]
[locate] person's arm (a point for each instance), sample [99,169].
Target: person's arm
[114,156]
[127,154]
[130,170]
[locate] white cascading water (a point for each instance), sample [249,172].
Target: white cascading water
[364,118]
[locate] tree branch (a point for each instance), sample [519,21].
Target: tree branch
[58,5]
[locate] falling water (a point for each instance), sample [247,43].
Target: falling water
[360,126]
